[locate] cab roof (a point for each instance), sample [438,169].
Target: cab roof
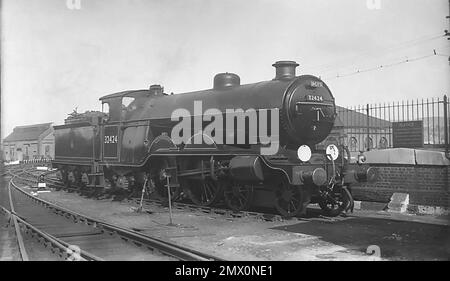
[133,93]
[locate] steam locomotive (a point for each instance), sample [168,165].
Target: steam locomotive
[245,145]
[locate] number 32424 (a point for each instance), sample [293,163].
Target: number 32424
[110,139]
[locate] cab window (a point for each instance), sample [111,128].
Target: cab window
[105,108]
[126,101]
[128,105]
[112,108]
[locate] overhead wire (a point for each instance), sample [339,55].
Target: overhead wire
[348,61]
[382,66]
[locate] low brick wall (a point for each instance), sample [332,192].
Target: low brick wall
[425,184]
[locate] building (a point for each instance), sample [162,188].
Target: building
[29,142]
[363,132]
[351,127]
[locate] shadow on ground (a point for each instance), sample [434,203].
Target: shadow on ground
[398,240]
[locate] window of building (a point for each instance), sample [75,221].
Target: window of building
[383,143]
[368,144]
[353,144]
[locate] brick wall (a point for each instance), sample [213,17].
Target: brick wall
[425,184]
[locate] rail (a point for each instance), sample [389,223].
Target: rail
[165,247]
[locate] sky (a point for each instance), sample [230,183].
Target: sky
[56,57]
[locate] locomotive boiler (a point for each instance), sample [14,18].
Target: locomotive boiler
[248,145]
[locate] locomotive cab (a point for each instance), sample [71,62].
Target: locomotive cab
[120,106]
[125,135]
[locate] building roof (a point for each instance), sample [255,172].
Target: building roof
[338,123]
[25,133]
[355,119]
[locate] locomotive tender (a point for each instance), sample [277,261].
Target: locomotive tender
[133,144]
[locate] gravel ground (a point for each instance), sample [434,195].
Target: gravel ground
[398,237]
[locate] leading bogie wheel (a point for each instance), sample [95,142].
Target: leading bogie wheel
[334,203]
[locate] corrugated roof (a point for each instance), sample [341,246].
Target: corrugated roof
[30,132]
[355,119]
[338,123]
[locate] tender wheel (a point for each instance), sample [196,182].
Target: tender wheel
[59,175]
[238,197]
[63,179]
[159,179]
[71,181]
[204,192]
[84,179]
[333,204]
[288,199]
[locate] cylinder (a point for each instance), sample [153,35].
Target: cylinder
[247,168]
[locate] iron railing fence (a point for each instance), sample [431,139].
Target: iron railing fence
[370,126]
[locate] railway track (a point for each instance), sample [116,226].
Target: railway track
[73,236]
[219,211]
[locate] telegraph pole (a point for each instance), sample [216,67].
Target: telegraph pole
[1,63]
[446,120]
[447,33]
[448,17]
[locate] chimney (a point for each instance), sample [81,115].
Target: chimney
[285,69]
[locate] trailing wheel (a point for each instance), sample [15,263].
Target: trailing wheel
[288,199]
[238,197]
